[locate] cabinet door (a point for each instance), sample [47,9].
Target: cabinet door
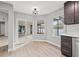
[66,45]
[69,12]
[76,12]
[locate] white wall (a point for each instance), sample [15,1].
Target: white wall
[36,20]
[28,28]
[29,19]
[72,29]
[4,27]
[50,32]
[22,17]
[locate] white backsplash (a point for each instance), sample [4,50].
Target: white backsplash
[72,29]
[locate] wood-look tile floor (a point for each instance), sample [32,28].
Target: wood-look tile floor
[34,49]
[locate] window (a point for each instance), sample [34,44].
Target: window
[40,28]
[21,29]
[30,29]
[58,26]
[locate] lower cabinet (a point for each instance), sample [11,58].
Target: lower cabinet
[66,46]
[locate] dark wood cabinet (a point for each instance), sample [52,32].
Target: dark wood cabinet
[71,12]
[76,12]
[66,46]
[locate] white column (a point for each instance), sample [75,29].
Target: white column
[26,32]
[11,37]
[34,26]
[45,27]
[6,26]
[16,31]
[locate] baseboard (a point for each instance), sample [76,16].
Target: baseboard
[40,40]
[49,42]
[9,50]
[53,44]
[21,45]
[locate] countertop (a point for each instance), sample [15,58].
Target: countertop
[72,35]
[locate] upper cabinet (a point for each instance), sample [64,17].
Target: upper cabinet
[76,12]
[71,12]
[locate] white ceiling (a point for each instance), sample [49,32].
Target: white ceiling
[44,7]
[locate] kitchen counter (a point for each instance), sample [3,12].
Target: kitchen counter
[75,43]
[72,35]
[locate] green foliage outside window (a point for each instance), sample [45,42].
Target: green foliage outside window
[59,25]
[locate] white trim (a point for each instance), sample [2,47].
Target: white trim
[39,40]
[22,44]
[9,50]
[53,43]
[49,42]
[19,46]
